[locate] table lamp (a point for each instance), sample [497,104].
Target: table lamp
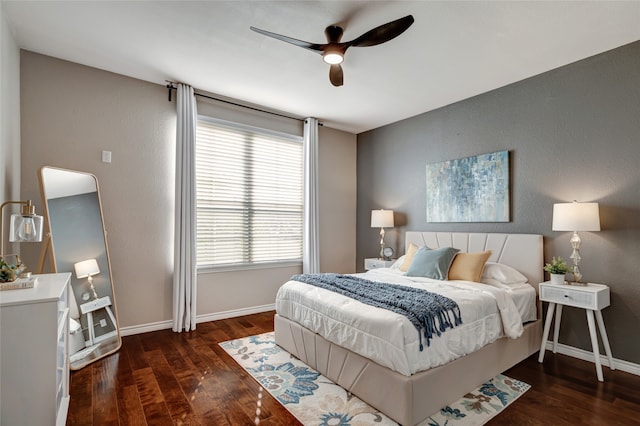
[87,269]
[382,219]
[576,217]
[25,226]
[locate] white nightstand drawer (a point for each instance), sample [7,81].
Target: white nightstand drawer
[591,296]
[377,263]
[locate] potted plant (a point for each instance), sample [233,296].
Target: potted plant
[557,270]
[7,271]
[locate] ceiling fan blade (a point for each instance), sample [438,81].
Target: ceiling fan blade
[383,33]
[336,75]
[314,47]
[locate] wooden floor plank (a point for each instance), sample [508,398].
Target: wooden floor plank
[166,378]
[130,412]
[151,397]
[105,404]
[81,404]
[175,400]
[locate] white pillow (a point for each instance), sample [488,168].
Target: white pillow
[398,263]
[502,273]
[512,286]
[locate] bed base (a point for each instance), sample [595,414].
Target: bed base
[406,399]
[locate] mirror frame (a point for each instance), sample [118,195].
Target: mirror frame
[110,345]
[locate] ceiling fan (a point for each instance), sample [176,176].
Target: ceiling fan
[333,51]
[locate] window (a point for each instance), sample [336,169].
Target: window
[249,188]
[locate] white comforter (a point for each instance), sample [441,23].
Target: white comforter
[390,339]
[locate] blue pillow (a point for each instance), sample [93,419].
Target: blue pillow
[432,263]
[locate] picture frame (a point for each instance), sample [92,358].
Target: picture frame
[470,189]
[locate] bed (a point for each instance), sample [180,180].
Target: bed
[385,377]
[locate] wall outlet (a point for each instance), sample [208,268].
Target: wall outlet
[106,156]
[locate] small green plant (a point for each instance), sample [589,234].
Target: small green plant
[7,271]
[557,266]
[10,267]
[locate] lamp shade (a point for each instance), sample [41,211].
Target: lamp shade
[382,218]
[25,228]
[86,268]
[576,217]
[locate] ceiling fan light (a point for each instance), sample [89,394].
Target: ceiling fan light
[332,58]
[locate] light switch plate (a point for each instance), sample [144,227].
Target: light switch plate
[106,156]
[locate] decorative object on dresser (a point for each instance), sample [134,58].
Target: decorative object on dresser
[382,219]
[25,226]
[576,217]
[19,283]
[590,297]
[75,231]
[34,361]
[10,268]
[557,270]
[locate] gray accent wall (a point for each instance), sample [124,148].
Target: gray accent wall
[572,133]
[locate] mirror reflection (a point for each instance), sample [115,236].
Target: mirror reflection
[76,243]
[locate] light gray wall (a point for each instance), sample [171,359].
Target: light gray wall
[70,113]
[572,133]
[337,200]
[9,122]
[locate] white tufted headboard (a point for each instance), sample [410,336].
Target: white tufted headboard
[521,251]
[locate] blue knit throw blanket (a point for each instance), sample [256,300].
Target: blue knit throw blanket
[423,308]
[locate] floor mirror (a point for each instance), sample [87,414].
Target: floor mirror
[75,241]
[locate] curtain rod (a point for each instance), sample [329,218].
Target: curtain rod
[170,86]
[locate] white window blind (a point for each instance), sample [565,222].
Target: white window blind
[249,187]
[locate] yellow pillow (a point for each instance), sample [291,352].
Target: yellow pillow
[408,257]
[468,266]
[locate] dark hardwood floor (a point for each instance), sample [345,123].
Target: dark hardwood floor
[165,378]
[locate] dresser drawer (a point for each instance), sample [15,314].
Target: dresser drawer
[592,296]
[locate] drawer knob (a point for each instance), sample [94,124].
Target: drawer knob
[566,295]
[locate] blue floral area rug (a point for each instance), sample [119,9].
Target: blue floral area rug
[315,400]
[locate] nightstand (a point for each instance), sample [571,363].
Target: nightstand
[592,298]
[376,263]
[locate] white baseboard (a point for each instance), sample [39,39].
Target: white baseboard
[236,313]
[571,351]
[163,325]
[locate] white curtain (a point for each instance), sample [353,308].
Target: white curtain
[185,278]
[310,245]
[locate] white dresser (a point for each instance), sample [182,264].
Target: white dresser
[34,359]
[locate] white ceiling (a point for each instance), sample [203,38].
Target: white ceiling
[453,51]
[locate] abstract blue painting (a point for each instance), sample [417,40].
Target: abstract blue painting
[471,189]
